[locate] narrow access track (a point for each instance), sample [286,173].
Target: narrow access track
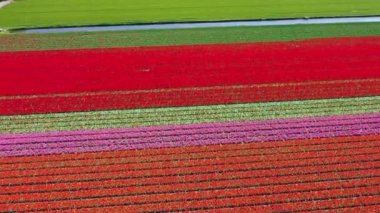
[240,23]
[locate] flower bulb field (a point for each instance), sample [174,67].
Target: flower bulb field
[276,118]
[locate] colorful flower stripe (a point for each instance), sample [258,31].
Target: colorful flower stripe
[191,135]
[12,105]
[296,174]
[187,115]
[8,164]
[134,166]
[145,68]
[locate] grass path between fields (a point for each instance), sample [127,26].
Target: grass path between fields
[19,42]
[47,13]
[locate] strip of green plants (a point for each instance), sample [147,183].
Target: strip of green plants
[48,13]
[20,42]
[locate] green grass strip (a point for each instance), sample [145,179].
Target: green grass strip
[19,42]
[45,13]
[187,115]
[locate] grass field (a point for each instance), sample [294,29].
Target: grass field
[19,42]
[45,13]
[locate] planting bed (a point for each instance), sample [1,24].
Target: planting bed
[88,70]
[314,174]
[88,101]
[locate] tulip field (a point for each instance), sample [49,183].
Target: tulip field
[219,119]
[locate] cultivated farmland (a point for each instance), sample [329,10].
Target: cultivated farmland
[219,119]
